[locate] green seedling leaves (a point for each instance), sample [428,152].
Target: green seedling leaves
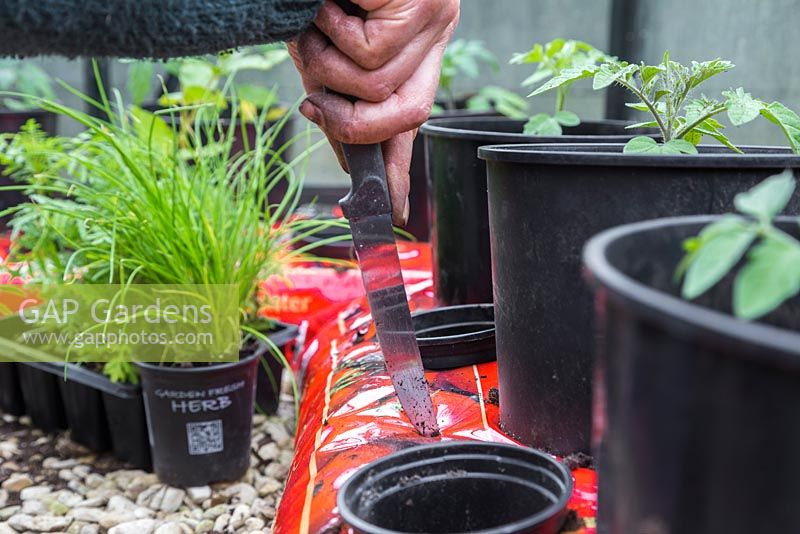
[717,250]
[566,77]
[505,102]
[770,277]
[742,107]
[767,199]
[610,73]
[543,124]
[700,72]
[567,118]
[788,121]
[153,131]
[771,273]
[140,76]
[648,145]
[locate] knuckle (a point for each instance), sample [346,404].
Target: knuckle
[418,114]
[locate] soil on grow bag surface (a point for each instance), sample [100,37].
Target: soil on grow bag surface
[350,416]
[48,484]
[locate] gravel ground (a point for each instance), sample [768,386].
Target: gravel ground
[50,484]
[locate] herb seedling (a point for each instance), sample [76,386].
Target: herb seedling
[120,204]
[666,91]
[462,57]
[771,273]
[26,78]
[552,60]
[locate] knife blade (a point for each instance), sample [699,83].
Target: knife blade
[368,209]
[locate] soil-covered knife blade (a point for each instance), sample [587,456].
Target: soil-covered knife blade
[368,208]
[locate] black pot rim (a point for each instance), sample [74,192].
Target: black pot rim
[456,350]
[779,345]
[444,128]
[356,522]
[771,157]
[154,367]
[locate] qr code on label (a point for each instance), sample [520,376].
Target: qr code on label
[205,437]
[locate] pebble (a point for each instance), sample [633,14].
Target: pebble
[215,511]
[42,523]
[199,494]
[17,482]
[3,498]
[5,513]
[140,526]
[90,529]
[170,528]
[5,529]
[172,500]
[239,515]
[254,523]
[222,522]
[117,503]
[33,507]
[34,492]
[269,486]
[241,493]
[270,451]
[206,525]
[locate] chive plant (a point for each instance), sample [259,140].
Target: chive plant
[124,202]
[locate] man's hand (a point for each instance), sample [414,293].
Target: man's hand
[390,62]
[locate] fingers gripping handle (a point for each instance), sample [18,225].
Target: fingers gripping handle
[369,191]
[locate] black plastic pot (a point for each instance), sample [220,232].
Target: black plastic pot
[11,122]
[544,203]
[455,336]
[11,401]
[459,221]
[39,385]
[458,487]
[418,198]
[697,410]
[270,369]
[200,420]
[99,414]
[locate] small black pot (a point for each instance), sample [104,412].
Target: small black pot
[455,336]
[200,420]
[270,369]
[11,401]
[458,487]
[545,202]
[100,415]
[39,385]
[11,122]
[459,220]
[696,410]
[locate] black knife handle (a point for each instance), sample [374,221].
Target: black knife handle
[369,189]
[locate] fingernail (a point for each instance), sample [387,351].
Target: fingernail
[406,212]
[311,112]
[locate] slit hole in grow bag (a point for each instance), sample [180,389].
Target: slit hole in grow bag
[456,336]
[457,488]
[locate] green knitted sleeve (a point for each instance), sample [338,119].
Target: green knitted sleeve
[147,28]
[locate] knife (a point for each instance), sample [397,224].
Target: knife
[368,208]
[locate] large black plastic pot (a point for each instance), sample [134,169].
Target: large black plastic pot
[11,122]
[418,198]
[270,368]
[458,487]
[459,221]
[11,401]
[200,420]
[544,203]
[697,410]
